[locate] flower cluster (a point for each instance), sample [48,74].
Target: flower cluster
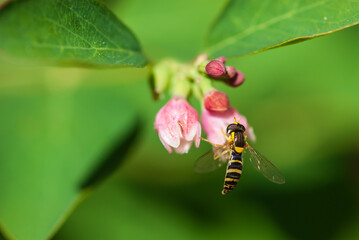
[230,75]
[177,122]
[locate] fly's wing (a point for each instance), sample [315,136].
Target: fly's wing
[212,160]
[264,166]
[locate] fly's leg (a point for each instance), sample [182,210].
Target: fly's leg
[228,138]
[217,145]
[220,155]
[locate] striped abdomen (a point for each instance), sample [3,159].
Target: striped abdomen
[233,173]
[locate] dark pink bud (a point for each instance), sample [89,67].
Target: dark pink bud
[215,69]
[222,59]
[237,80]
[216,101]
[231,71]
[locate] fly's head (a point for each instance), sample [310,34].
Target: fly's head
[235,127]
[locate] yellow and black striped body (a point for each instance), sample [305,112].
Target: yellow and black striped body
[233,173]
[235,164]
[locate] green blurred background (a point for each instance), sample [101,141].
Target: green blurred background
[58,124]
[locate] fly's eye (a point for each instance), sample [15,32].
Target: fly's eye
[229,131]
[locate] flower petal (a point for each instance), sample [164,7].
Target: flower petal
[169,149]
[250,134]
[183,147]
[197,140]
[188,119]
[215,123]
[171,135]
[167,126]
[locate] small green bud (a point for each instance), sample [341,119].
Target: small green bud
[181,86]
[202,66]
[162,73]
[205,84]
[200,59]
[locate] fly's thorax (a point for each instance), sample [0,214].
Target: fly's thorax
[239,139]
[236,130]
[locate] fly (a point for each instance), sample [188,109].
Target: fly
[232,151]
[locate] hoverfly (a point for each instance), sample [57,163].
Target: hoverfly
[232,151]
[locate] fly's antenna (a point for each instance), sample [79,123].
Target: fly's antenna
[236,120]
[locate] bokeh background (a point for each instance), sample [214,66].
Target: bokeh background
[59,124]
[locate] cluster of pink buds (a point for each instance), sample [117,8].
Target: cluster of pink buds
[177,122]
[229,74]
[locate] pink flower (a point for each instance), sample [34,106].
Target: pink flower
[215,124]
[177,125]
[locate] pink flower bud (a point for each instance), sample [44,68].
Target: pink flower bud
[177,125]
[215,124]
[231,71]
[216,101]
[222,59]
[237,80]
[216,69]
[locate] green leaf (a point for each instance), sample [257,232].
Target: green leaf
[74,32]
[54,147]
[251,26]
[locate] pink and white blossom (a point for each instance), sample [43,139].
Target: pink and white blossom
[177,125]
[215,124]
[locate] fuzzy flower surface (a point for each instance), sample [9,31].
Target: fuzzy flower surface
[177,125]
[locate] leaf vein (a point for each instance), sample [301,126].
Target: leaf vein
[93,25]
[83,48]
[67,29]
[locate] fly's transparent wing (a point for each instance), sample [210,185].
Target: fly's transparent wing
[212,160]
[264,166]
